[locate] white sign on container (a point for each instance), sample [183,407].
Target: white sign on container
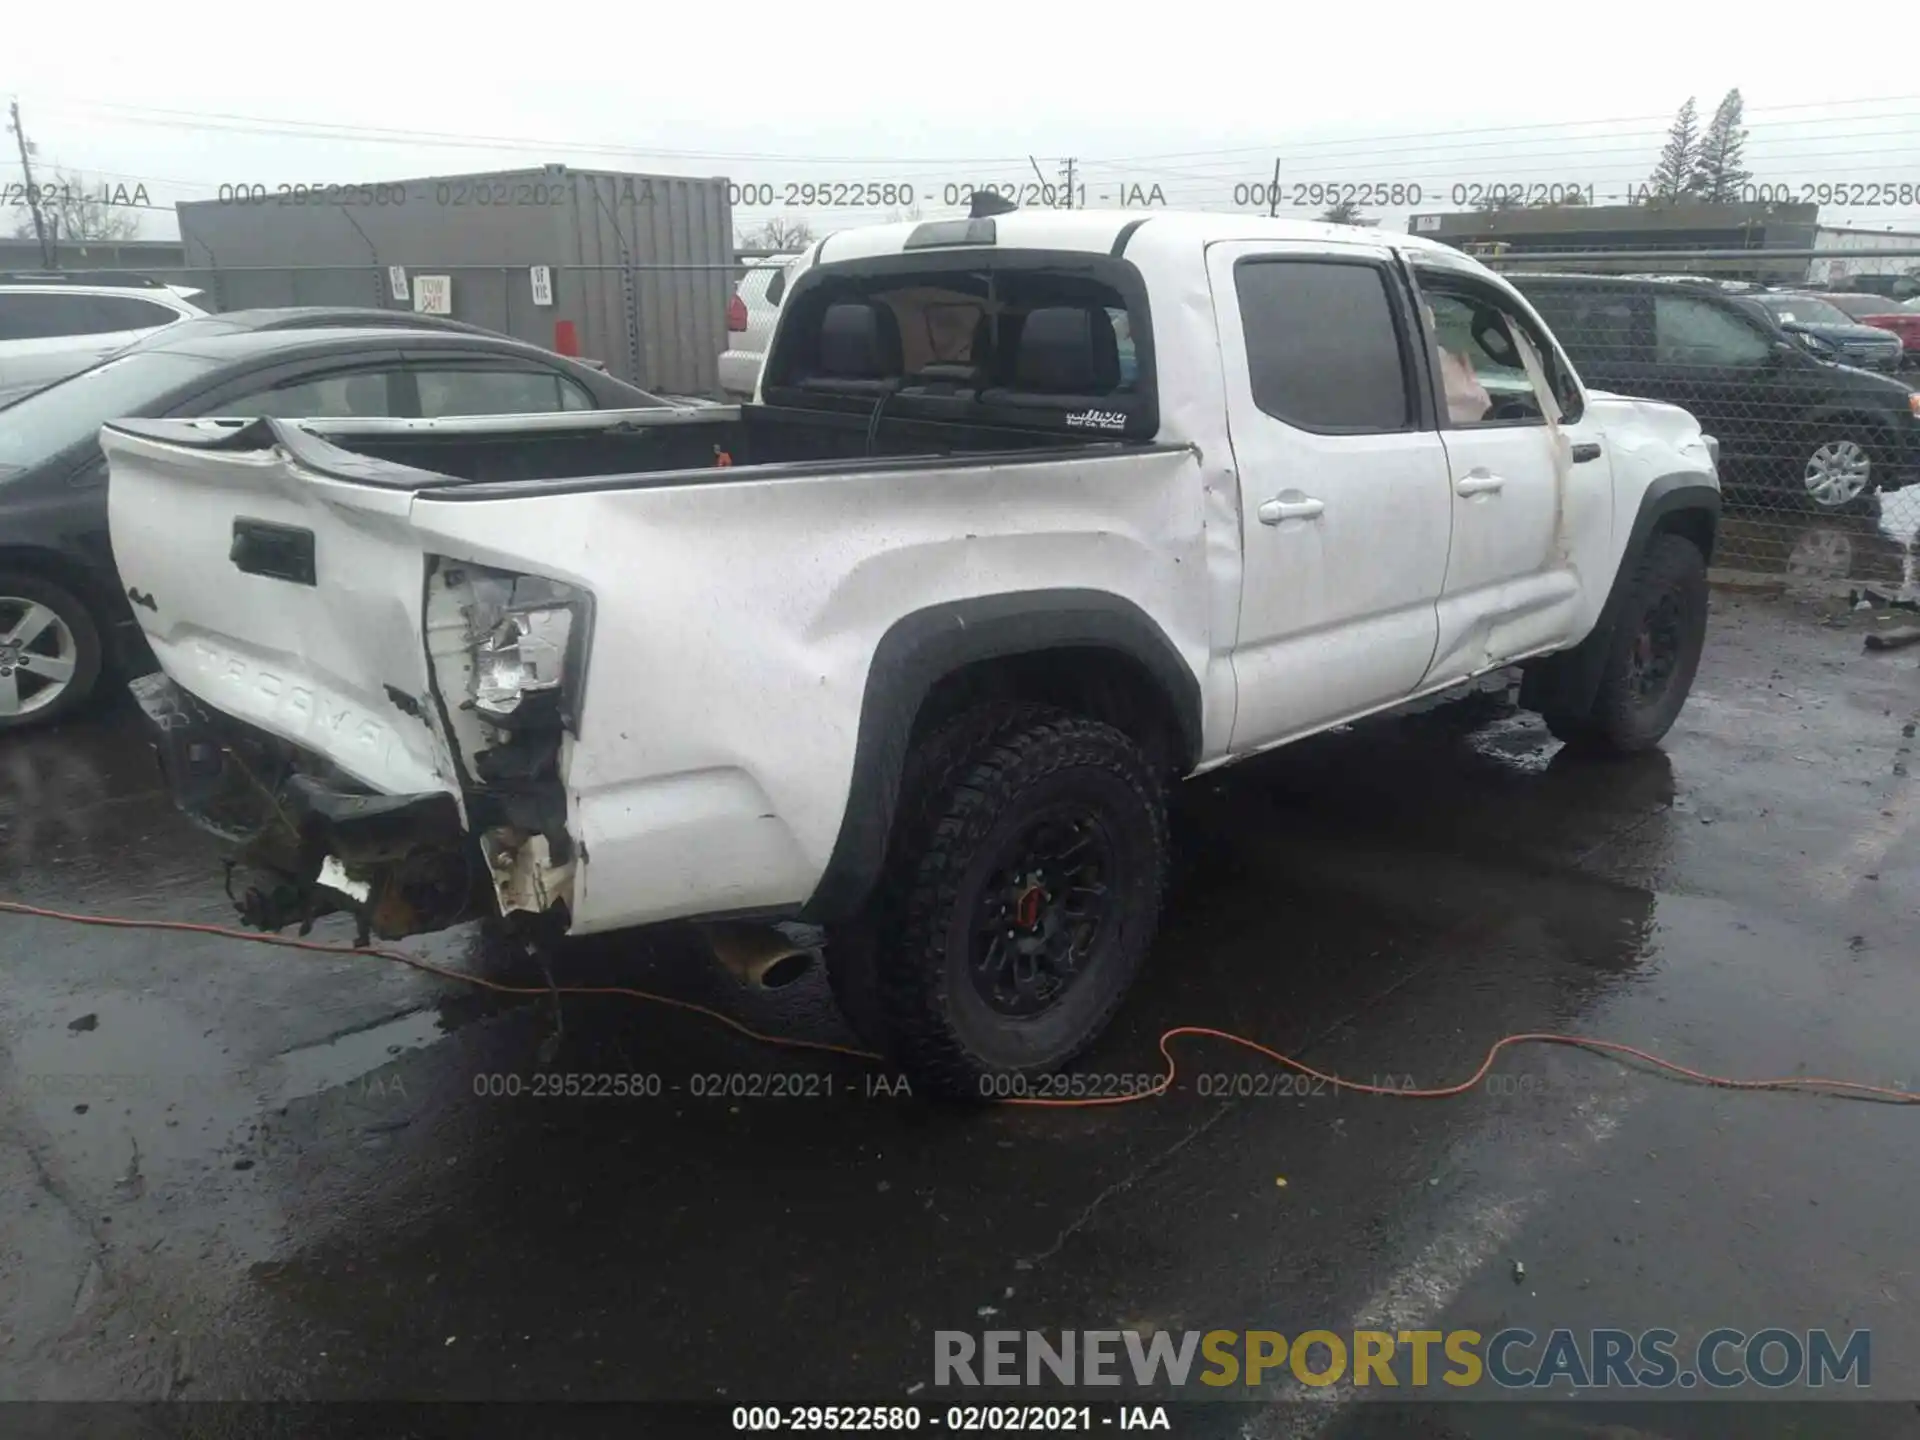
[433,294]
[397,282]
[542,284]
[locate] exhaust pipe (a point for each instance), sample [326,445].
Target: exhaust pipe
[757,955]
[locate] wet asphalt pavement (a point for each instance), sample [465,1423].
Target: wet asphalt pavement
[235,1172]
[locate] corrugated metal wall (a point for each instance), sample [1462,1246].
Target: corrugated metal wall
[642,264]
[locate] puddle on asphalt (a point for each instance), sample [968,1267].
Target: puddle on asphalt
[313,1069]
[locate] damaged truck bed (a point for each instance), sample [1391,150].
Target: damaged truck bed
[352,767]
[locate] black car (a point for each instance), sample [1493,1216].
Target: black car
[62,615]
[1786,418]
[1844,338]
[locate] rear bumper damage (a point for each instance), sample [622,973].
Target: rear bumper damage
[309,840]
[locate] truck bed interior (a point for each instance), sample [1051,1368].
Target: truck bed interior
[750,435]
[925,356]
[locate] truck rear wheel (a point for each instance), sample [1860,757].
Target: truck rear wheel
[1655,650]
[1022,892]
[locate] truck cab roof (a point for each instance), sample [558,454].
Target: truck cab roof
[1110,232]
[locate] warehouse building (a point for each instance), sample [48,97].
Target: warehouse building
[1636,230]
[630,270]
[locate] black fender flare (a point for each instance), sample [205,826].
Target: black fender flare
[925,646]
[1567,682]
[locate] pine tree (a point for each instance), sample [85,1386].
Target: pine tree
[1678,157]
[1717,173]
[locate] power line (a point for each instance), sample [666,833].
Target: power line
[328,130]
[1270,146]
[1617,151]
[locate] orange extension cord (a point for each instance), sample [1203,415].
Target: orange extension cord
[1838,1089]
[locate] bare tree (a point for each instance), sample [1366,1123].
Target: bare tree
[75,211]
[779,233]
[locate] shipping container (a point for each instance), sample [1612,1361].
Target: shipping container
[631,270]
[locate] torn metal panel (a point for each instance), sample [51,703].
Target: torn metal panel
[525,877]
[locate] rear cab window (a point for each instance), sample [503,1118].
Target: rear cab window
[1017,338]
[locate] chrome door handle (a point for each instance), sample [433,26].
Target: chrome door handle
[1290,505]
[1479,482]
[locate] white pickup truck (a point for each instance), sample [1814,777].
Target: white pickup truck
[1033,514]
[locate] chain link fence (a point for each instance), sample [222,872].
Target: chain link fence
[1807,387]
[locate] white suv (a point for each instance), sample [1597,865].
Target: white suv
[750,316]
[53,325]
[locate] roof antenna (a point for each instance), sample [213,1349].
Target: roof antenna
[985,203]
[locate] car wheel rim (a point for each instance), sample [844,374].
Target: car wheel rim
[38,656]
[1656,651]
[1046,903]
[1837,472]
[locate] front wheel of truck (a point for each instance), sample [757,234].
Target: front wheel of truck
[1655,649]
[1022,892]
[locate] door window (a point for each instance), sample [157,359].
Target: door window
[1687,331]
[322,397]
[485,391]
[127,312]
[27,316]
[1597,327]
[1480,368]
[1323,351]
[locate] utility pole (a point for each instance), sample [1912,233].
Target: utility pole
[47,257]
[1068,166]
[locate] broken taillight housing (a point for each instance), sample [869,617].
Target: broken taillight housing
[525,635]
[523,655]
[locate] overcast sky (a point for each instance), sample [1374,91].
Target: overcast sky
[1189,98]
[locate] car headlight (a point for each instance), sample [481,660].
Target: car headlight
[525,635]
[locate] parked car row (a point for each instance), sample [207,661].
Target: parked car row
[1837,318]
[1793,413]
[1902,317]
[63,615]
